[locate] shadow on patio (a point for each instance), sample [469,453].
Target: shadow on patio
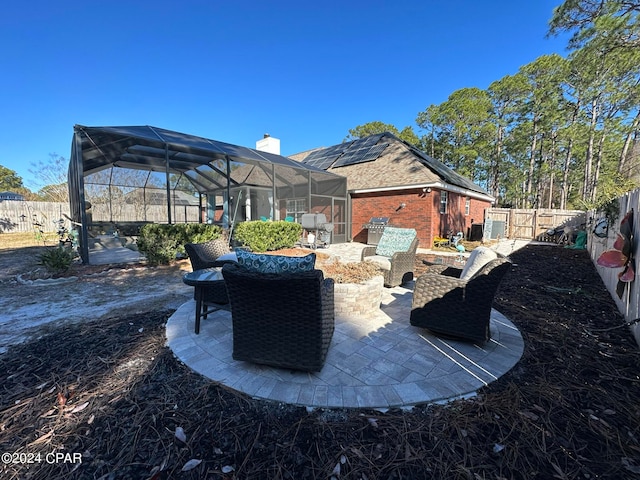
[376,362]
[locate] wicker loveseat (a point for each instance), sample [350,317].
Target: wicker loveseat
[458,307]
[280,319]
[395,255]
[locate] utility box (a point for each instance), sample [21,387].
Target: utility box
[476,232]
[494,229]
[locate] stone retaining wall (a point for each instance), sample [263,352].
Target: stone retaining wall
[358,299]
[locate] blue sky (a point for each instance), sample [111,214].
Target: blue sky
[304,72]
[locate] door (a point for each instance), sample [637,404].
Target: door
[339,220]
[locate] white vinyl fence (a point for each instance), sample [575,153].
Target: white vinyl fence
[629,304]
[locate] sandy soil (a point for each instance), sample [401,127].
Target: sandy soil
[88,292]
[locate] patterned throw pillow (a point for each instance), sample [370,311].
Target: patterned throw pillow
[261,263]
[395,240]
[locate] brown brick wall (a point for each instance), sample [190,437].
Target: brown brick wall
[421,211]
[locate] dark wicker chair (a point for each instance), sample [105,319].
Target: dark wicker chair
[402,264]
[456,308]
[280,320]
[204,255]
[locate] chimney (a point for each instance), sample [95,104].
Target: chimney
[268,144]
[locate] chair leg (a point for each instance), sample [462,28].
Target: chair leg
[199,307]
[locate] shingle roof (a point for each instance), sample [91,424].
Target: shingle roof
[399,164]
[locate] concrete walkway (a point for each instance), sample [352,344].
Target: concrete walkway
[375,362]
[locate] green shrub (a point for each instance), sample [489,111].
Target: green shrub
[57,259]
[161,243]
[262,236]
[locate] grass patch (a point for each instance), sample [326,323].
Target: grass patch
[26,239]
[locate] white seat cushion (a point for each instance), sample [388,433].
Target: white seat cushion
[383,262]
[228,256]
[478,258]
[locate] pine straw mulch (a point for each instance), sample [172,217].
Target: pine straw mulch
[114,393]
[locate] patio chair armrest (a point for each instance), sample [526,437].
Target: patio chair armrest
[430,286]
[327,296]
[403,257]
[368,252]
[221,263]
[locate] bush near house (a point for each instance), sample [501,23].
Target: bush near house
[161,243]
[262,236]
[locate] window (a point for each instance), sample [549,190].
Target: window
[296,207]
[444,196]
[467,205]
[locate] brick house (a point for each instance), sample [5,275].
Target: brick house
[388,177]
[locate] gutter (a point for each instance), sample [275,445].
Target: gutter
[438,185]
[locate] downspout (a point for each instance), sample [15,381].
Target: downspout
[348,226]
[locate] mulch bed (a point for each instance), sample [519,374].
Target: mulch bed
[115,394]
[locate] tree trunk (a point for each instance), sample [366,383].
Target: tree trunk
[532,162]
[495,187]
[552,165]
[588,164]
[539,187]
[596,173]
[564,188]
[627,145]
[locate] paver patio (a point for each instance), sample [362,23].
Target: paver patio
[376,362]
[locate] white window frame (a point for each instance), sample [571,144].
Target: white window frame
[444,200]
[296,207]
[467,206]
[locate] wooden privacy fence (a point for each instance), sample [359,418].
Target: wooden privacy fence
[629,304]
[529,224]
[20,216]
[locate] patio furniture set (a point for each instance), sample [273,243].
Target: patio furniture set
[282,308]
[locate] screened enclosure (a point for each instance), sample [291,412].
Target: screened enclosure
[123,177]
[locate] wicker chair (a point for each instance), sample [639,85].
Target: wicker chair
[398,268]
[457,308]
[282,320]
[204,255]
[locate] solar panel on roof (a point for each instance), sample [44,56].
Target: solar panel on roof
[366,141]
[325,157]
[349,153]
[361,155]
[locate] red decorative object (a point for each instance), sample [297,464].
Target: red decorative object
[622,254]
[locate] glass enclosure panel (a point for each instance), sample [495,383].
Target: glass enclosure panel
[292,208]
[122,196]
[291,183]
[339,220]
[166,177]
[323,205]
[322,184]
